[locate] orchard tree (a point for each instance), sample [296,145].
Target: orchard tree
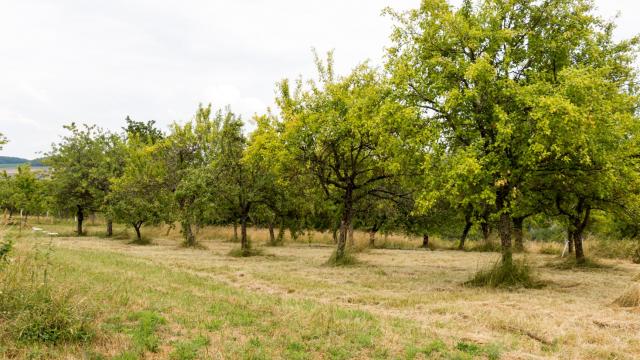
[146,132]
[238,181]
[470,69]
[188,150]
[585,144]
[79,175]
[345,133]
[139,196]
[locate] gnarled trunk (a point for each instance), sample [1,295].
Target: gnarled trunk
[504,224]
[109,228]
[425,241]
[137,227]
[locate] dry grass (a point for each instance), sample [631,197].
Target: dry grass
[399,304]
[630,298]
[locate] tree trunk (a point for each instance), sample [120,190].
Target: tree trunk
[345,224]
[80,217]
[570,241]
[518,233]
[138,235]
[272,234]
[109,228]
[281,232]
[244,241]
[335,234]
[504,224]
[235,230]
[577,240]
[372,238]
[486,230]
[187,232]
[465,232]
[425,240]
[351,245]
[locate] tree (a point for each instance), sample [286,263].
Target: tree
[238,181]
[470,69]
[139,196]
[79,175]
[344,132]
[585,145]
[145,132]
[3,141]
[187,151]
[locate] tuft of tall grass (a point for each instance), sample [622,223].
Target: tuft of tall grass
[33,310]
[514,274]
[630,298]
[347,259]
[570,263]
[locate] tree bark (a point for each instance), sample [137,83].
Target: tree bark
[351,244]
[272,234]
[372,238]
[235,230]
[138,234]
[577,240]
[465,233]
[80,217]
[425,240]
[109,228]
[345,223]
[518,233]
[570,240]
[281,232]
[504,224]
[578,237]
[187,232]
[244,241]
[486,230]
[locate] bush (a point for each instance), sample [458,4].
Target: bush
[514,274]
[615,249]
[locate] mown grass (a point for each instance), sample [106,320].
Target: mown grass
[147,308]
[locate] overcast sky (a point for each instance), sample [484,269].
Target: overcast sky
[98,61]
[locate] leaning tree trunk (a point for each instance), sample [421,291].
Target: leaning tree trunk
[518,233]
[80,217]
[272,234]
[465,233]
[425,241]
[138,234]
[109,228]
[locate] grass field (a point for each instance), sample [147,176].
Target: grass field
[163,301]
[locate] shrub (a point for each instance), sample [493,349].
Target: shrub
[514,274]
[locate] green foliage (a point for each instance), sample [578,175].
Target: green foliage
[506,274]
[139,196]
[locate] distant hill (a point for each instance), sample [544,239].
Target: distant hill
[9,160]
